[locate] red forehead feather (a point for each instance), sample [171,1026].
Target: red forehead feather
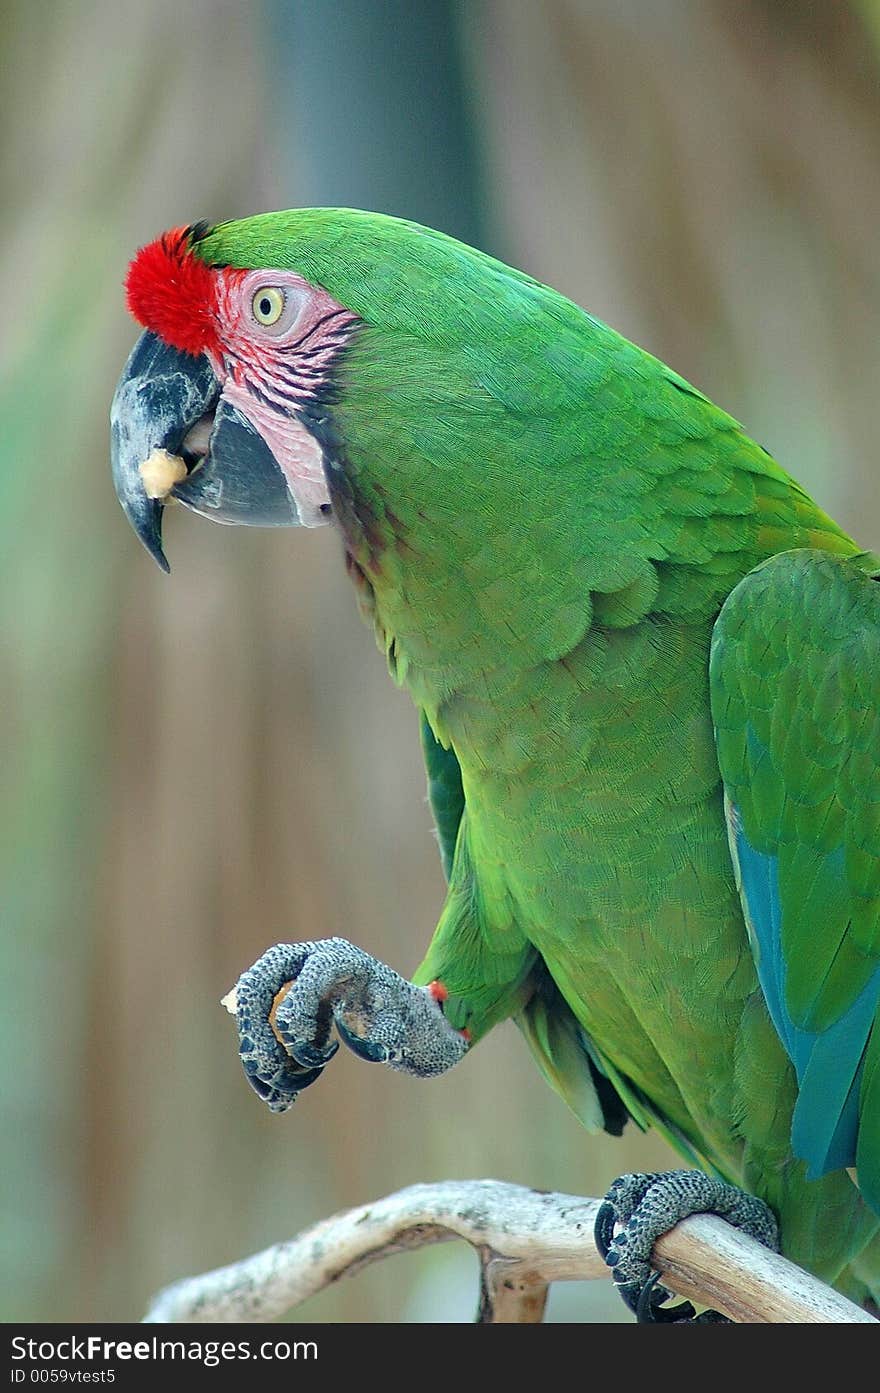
[170,290]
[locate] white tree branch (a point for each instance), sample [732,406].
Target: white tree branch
[524,1239]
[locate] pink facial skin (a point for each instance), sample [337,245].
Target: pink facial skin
[270,371]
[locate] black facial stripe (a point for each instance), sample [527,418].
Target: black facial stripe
[293,374]
[275,402]
[325,319]
[319,351]
[291,385]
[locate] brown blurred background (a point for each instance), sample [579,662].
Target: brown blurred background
[196,767]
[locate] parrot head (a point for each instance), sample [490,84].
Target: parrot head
[208,408]
[337,366]
[292,362]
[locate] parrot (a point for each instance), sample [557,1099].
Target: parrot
[646,672]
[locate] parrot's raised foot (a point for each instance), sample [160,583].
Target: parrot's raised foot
[287,1004]
[639,1209]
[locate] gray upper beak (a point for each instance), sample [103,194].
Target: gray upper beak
[161,394]
[161,397]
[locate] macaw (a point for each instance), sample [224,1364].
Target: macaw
[647,671]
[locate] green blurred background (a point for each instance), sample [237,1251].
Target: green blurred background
[196,767]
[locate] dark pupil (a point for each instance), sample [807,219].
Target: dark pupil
[266,306]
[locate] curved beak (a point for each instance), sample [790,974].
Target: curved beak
[168,406]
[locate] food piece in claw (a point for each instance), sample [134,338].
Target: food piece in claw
[287,1004]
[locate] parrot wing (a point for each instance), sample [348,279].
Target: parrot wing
[557,1041]
[599,1098]
[795,692]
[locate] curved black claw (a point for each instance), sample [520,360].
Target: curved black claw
[603,1231]
[369,1050]
[310,1056]
[650,1310]
[638,1209]
[287,1004]
[281,1089]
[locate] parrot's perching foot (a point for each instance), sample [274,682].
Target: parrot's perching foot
[639,1209]
[287,1004]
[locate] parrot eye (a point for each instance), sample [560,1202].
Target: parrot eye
[267,305]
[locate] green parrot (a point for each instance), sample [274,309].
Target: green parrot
[647,671]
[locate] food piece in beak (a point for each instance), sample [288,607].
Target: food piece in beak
[161,395]
[161,472]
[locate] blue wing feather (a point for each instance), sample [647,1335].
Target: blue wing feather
[829,1063]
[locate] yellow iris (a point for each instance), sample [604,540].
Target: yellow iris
[267,305]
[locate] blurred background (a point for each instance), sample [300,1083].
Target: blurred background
[197,766]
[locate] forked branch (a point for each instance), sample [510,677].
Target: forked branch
[524,1239]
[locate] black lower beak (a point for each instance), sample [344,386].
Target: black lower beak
[238,480]
[168,404]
